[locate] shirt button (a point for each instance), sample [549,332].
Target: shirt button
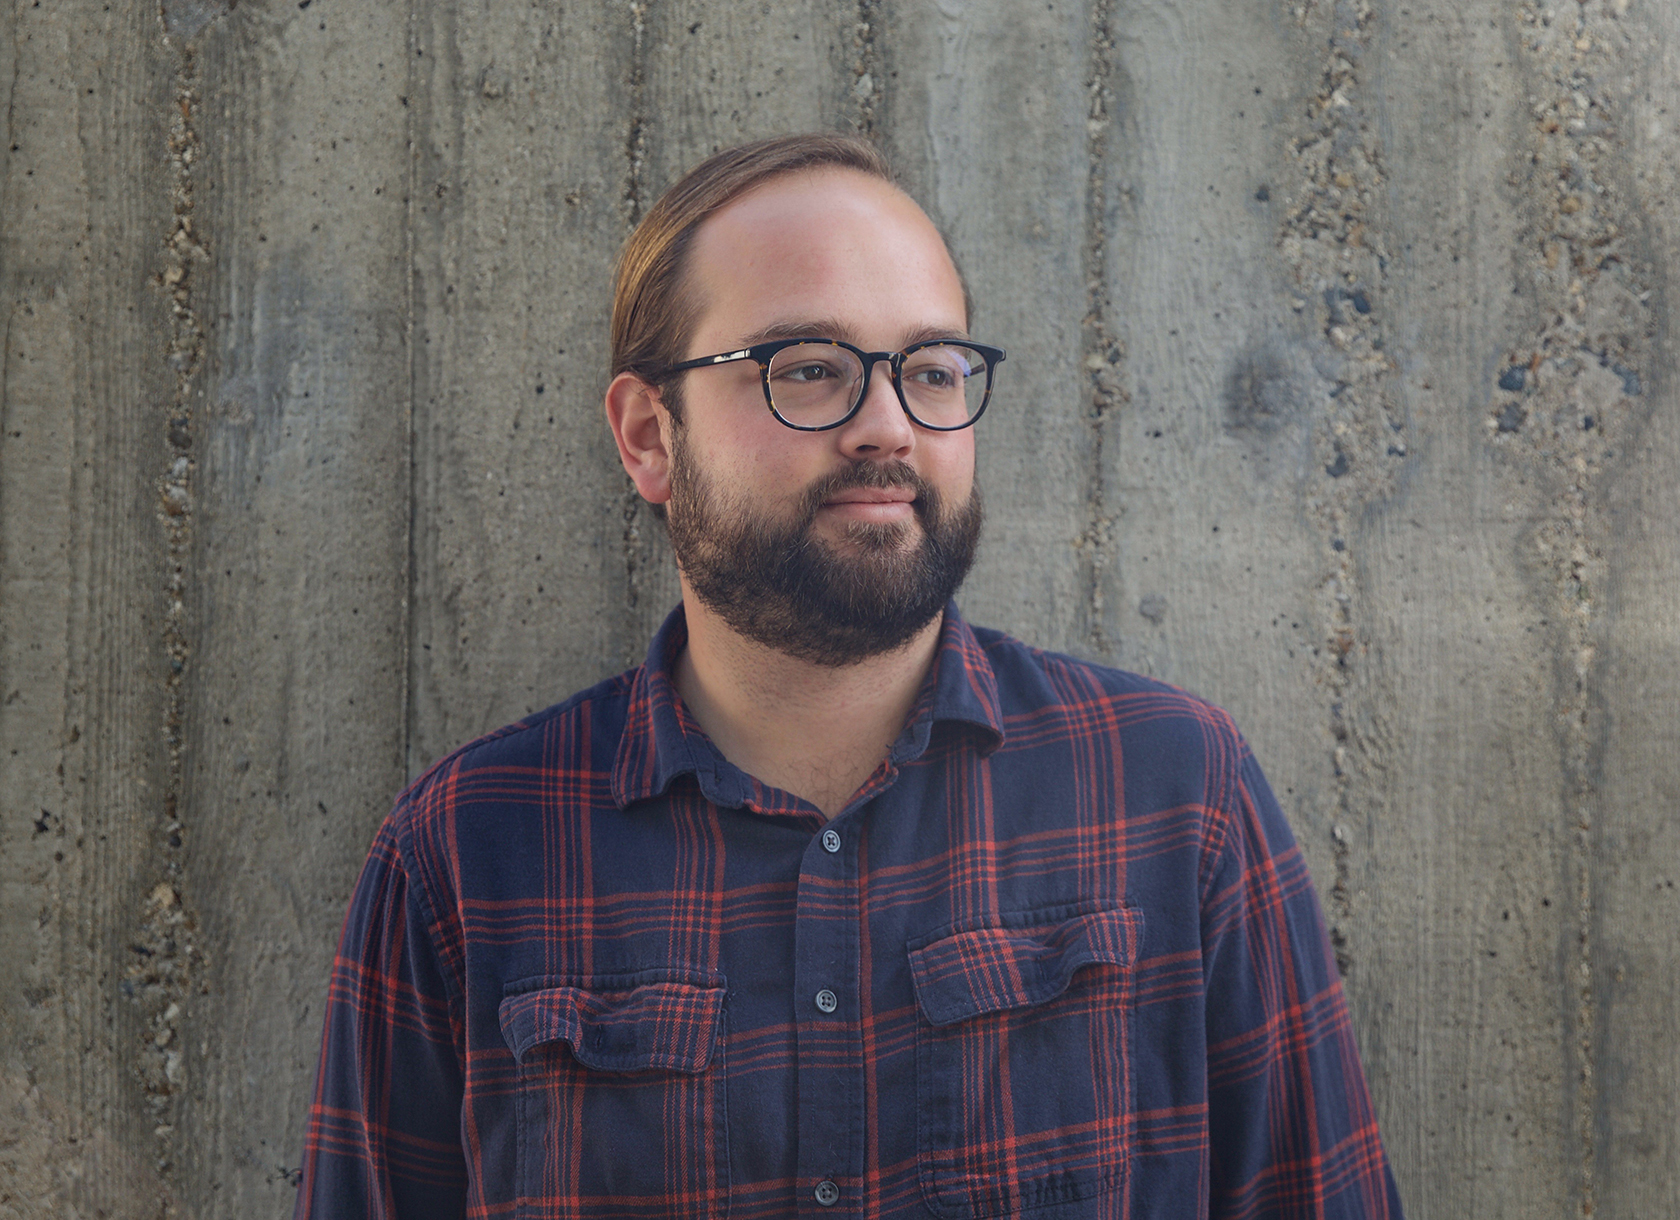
[828,1194]
[826,1003]
[831,841]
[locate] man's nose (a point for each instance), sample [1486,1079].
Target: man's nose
[881,428]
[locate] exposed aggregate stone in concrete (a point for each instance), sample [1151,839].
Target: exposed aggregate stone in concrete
[1103,352]
[1332,240]
[1571,399]
[868,73]
[160,977]
[639,551]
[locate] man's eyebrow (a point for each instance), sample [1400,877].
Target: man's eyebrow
[828,328]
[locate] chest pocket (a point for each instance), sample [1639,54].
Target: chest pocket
[620,1094]
[1024,1076]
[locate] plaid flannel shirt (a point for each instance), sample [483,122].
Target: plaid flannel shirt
[1059,956]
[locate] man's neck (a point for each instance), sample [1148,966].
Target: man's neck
[816,731]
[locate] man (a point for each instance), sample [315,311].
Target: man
[836,905]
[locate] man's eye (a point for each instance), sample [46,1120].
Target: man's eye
[808,372]
[936,374]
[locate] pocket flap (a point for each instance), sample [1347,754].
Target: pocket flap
[966,974]
[619,1025]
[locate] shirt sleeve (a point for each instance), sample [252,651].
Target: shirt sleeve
[1290,1122]
[384,1133]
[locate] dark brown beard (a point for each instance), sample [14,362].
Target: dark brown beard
[780,585]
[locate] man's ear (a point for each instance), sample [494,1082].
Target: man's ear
[639,422]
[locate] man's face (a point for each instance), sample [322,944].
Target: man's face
[830,546]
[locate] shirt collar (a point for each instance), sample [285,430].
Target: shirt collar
[662,741]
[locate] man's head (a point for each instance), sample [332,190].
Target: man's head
[654,307]
[828,545]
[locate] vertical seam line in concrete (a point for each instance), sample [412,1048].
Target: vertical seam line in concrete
[1553,411]
[411,254]
[159,980]
[867,85]
[1102,352]
[1341,281]
[10,137]
[634,199]
[6,323]
[6,286]
[635,143]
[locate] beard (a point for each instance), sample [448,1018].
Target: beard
[777,583]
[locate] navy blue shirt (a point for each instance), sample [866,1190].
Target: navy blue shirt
[1058,955]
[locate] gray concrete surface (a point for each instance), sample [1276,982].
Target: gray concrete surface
[1340,390]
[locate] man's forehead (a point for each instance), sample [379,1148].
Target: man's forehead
[822,211]
[830,327]
[814,186]
[793,244]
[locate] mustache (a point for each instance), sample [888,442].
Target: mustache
[875,475]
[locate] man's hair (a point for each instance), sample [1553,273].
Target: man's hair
[653,312]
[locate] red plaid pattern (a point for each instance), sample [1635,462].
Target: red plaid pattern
[1060,957]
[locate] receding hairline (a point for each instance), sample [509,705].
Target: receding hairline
[693,296]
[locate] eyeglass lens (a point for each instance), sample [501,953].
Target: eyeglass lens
[812,384]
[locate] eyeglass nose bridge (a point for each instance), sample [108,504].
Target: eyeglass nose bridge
[895,362]
[895,365]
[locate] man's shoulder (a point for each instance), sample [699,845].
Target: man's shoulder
[577,734]
[1070,720]
[1030,677]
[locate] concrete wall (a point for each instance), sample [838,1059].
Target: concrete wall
[1341,390]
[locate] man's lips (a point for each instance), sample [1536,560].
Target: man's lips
[873,495]
[877,505]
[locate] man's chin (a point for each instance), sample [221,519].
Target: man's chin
[862,538]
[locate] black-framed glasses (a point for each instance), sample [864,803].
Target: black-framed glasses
[816,384]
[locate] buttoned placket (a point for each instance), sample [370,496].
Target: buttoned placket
[828,975]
